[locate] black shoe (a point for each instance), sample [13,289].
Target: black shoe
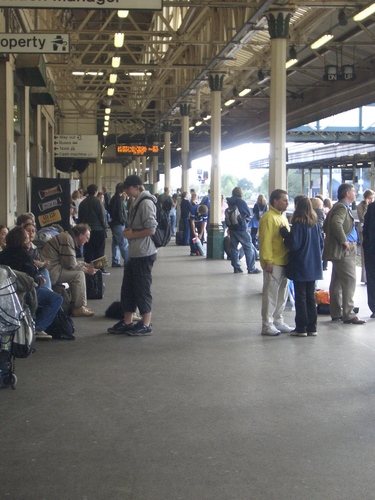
[237,270]
[337,319]
[116,265]
[66,336]
[120,327]
[256,271]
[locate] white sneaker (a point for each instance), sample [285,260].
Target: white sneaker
[270,330]
[39,334]
[312,334]
[283,328]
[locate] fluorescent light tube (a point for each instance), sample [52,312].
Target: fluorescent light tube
[321,41]
[364,13]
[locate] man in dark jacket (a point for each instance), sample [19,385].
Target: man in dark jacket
[369,251]
[240,234]
[91,211]
[117,212]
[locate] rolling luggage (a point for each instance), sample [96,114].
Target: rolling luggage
[95,286]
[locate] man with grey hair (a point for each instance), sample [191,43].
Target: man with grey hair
[340,247]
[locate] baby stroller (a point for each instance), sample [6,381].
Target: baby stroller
[14,322]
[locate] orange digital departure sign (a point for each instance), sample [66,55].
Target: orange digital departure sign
[136,150]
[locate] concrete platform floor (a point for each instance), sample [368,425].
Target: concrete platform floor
[205,409]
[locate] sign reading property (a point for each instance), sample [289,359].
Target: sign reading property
[84,4]
[75,146]
[136,150]
[34,43]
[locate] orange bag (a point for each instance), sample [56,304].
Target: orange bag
[322,297]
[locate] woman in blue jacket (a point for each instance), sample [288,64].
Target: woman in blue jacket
[305,244]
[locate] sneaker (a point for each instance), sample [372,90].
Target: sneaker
[237,270]
[116,265]
[256,271]
[272,331]
[82,311]
[294,333]
[40,335]
[140,330]
[120,327]
[283,328]
[105,272]
[312,334]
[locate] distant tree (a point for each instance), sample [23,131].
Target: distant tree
[246,184]
[228,182]
[264,185]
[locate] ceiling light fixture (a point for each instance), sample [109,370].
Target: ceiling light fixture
[229,102]
[116,61]
[244,92]
[206,118]
[364,13]
[139,73]
[105,133]
[192,127]
[198,123]
[95,73]
[291,63]
[107,111]
[113,78]
[106,123]
[78,73]
[106,117]
[321,41]
[110,91]
[122,13]
[105,129]
[119,40]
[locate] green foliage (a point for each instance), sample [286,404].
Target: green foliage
[246,185]
[228,182]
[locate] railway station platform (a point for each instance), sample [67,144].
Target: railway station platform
[204,409]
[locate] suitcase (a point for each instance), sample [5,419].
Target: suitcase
[179,238]
[95,286]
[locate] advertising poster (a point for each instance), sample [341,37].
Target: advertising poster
[50,202]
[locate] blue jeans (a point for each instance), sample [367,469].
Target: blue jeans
[49,303]
[186,231]
[244,238]
[172,218]
[120,245]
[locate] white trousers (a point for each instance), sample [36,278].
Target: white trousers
[275,293]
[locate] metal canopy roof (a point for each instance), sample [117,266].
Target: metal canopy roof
[177,47]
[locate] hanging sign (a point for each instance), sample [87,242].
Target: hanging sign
[34,43]
[136,150]
[75,146]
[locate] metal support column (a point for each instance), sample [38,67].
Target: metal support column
[215,237]
[278,27]
[167,126]
[185,110]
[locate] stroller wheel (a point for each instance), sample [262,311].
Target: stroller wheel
[7,380]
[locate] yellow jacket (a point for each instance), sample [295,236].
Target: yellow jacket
[271,244]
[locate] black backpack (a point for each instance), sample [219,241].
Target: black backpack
[62,327]
[162,235]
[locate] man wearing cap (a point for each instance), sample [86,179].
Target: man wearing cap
[136,283]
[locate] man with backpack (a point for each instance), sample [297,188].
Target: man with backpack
[237,217]
[136,283]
